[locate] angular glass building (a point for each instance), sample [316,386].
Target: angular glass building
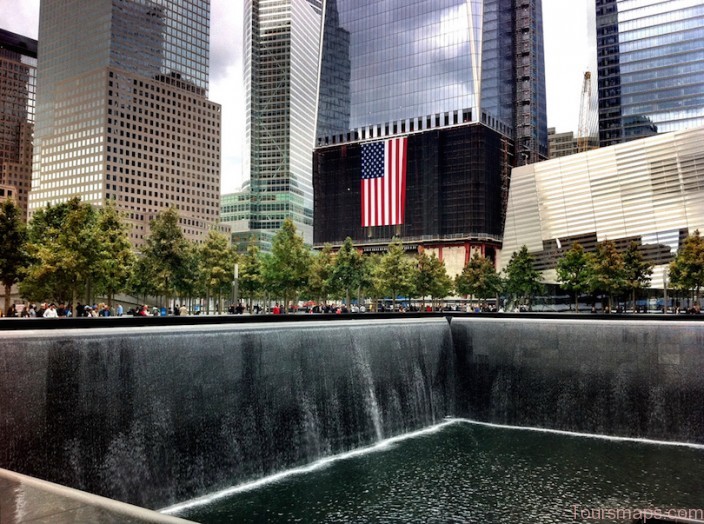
[123,113]
[650,59]
[282,49]
[462,81]
[18,76]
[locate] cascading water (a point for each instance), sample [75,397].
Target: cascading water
[155,416]
[362,367]
[158,415]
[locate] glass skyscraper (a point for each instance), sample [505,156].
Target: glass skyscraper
[463,81]
[282,49]
[122,110]
[650,58]
[390,68]
[18,75]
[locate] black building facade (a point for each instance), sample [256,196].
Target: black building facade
[457,179]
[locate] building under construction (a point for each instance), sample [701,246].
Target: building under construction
[421,116]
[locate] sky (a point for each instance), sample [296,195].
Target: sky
[567,56]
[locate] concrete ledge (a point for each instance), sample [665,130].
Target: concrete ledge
[28,499]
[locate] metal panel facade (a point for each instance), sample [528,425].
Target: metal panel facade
[649,190]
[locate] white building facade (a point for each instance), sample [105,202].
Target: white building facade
[650,191]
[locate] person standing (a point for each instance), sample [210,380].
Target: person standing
[50,312]
[120,311]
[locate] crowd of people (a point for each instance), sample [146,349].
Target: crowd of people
[52,310]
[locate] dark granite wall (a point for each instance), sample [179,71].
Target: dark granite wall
[626,378]
[156,416]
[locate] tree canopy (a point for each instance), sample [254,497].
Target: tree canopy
[13,247]
[687,270]
[522,279]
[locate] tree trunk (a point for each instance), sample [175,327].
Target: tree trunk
[576,302]
[8,293]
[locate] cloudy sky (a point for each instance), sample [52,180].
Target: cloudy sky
[566,58]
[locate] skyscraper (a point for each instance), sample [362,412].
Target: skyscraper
[462,81]
[123,113]
[18,74]
[282,40]
[650,58]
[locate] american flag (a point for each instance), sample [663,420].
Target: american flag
[384,182]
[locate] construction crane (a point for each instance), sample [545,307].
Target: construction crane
[586,129]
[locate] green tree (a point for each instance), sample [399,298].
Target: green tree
[286,270]
[250,273]
[478,278]
[432,279]
[607,270]
[637,272]
[522,279]
[397,272]
[347,270]
[165,250]
[217,262]
[13,247]
[573,272]
[319,282]
[372,283]
[64,245]
[188,282]
[116,257]
[687,270]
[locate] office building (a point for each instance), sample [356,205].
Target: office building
[564,144]
[236,212]
[650,58]
[18,74]
[123,113]
[650,191]
[459,86]
[282,41]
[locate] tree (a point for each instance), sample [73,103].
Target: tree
[286,270]
[432,277]
[319,282]
[637,272]
[522,279]
[216,266]
[13,247]
[116,257]
[607,272]
[65,247]
[250,272]
[397,272]
[347,270]
[164,251]
[372,284]
[573,272]
[687,270]
[478,278]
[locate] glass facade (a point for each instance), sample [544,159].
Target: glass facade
[122,112]
[18,74]
[650,56]
[394,68]
[282,46]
